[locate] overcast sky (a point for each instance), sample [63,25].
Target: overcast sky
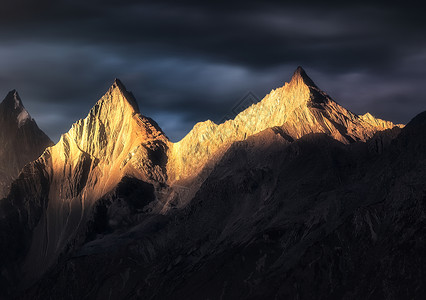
[194,61]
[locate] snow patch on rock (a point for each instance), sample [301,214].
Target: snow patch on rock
[23,117]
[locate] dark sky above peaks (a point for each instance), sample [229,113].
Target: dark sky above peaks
[193,61]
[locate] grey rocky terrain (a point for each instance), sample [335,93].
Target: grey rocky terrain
[327,205]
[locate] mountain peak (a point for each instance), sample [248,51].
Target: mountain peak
[112,122]
[298,108]
[12,100]
[12,108]
[119,95]
[299,70]
[20,138]
[300,76]
[119,84]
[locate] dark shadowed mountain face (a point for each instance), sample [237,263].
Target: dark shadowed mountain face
[324,204]
[309,219]
[305,219]
[21,141]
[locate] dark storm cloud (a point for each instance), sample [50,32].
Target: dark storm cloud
[193,61]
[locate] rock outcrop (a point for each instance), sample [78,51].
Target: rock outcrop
[312,218]
[21,141]
[115,188]
[89,161]
[296,109]
[299,108]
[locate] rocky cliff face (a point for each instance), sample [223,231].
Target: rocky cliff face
[299,108]
[21,141]
[164,215]
[112,142]
[296,109]
[312,218]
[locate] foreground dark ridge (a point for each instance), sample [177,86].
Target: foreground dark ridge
[312,218]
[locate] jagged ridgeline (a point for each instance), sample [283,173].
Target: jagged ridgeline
[115,175]
[297,108]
